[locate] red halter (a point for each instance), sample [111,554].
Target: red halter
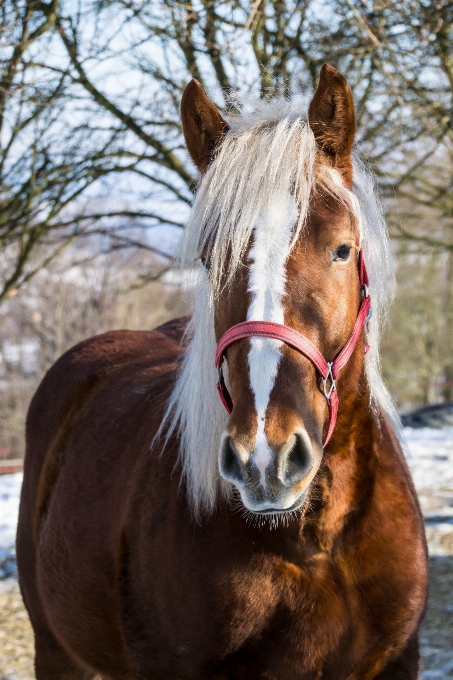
[328,370]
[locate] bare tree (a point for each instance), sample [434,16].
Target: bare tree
[60,158]
[91,143]
[89,105]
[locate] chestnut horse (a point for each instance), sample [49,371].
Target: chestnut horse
[163,538]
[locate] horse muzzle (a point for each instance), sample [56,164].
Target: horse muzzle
[270,481]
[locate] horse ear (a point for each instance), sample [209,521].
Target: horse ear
[202,124]
[332,118]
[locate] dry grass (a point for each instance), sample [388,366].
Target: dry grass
[16,637]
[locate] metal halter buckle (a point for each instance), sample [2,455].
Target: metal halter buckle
[365,291]
[333,384]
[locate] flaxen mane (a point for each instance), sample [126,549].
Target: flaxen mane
[267,153]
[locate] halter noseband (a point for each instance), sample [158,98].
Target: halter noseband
[328,370]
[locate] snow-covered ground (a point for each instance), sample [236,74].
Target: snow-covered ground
[430,458]
[10,486]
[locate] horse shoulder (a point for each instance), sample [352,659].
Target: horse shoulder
[386,554]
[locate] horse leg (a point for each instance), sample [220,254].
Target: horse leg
[406,664]
[52,662]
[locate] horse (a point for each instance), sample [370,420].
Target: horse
[225,497]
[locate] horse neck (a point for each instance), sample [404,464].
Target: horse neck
[345,479]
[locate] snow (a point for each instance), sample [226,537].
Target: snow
[10,486]
[430,458]
[429,455]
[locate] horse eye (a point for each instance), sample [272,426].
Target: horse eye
[206,264]
[342,253]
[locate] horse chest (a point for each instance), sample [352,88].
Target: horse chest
[293,608]
[250,612]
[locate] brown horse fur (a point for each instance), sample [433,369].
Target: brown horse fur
[122,580]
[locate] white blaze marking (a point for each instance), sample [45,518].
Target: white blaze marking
[271,240]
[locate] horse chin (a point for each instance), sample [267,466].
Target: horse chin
[280,508]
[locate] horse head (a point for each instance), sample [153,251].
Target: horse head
[278,230]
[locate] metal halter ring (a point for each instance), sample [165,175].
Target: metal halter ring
[333,384]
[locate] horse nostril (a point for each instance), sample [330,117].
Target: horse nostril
[298,461]
[229,462]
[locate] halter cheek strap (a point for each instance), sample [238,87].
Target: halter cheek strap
[328,370]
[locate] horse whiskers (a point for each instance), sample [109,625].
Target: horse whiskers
[258,521]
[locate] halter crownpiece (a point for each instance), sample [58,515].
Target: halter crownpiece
[328,370]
